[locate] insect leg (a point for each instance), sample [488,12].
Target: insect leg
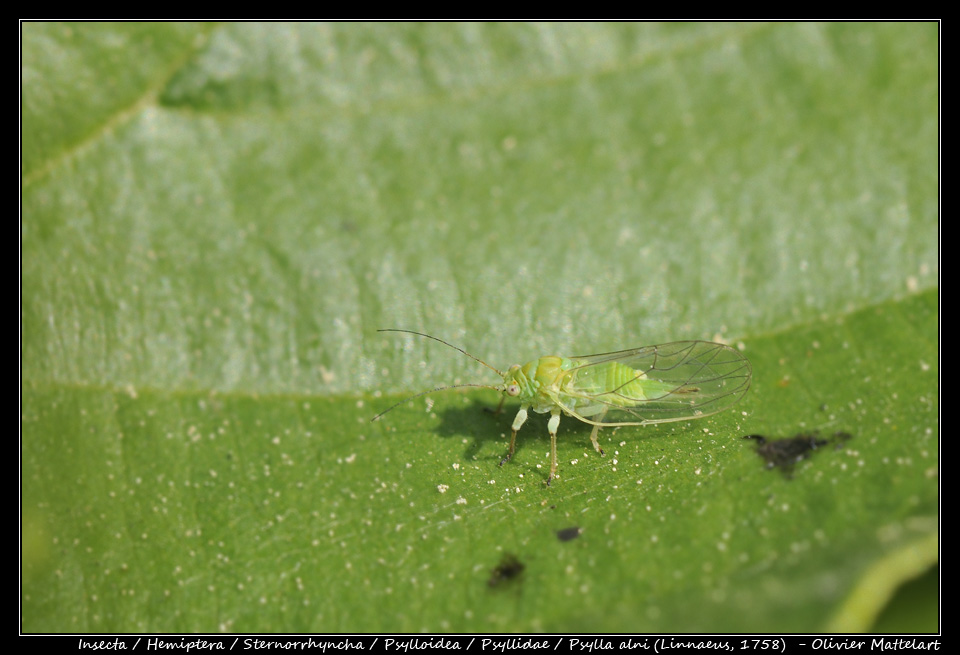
[518,422]
[496,412]
[552,426]
[596,431]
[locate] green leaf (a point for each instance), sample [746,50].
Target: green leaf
[217,218]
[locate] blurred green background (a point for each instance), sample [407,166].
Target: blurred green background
[218,217]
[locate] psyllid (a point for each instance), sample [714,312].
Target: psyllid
[676,381]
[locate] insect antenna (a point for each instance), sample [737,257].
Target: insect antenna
[424,393]
[421,334]
[452,386]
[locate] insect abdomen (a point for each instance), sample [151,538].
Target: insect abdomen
[612,382]
[625,384]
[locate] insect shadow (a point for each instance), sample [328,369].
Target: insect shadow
[488,433]
[484,430]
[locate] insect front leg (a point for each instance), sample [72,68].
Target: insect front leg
[518,422]
[596,431]
[496,412]
[552,426]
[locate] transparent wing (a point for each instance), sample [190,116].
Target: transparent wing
[655,384]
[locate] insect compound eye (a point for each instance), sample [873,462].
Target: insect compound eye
[513,389]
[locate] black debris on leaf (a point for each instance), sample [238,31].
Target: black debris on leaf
[785,453]
[569,534]
[508,569]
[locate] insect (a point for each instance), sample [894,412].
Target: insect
[675,381]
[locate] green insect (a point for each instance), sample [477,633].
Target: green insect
[675,381]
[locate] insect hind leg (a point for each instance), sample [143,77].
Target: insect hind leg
[596,432]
